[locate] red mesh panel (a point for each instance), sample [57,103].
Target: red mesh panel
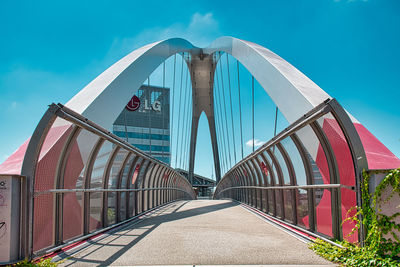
[44,180]
[72,217]
[346,171]
[43,222]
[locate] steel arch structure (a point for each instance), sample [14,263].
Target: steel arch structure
[308,175]
[114,86]
[278,78]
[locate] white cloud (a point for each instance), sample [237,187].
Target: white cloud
[257,143]
[201,31]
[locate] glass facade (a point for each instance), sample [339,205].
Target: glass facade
[145,124]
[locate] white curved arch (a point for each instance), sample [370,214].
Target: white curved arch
[278,78]
[103,98]
[294,93]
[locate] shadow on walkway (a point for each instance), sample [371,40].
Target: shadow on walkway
[167,214]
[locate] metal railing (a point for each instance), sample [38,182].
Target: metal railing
[308,175]
[82,180]
[55,191]
[314,186]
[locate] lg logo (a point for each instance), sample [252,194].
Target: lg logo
[134,104]
[156,105]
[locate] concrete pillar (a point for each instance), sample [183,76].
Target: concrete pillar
[202,68]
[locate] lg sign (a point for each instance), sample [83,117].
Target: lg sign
[156,105]
[134,104]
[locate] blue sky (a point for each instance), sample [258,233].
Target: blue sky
[49,50]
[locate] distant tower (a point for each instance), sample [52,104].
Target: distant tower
[144,122]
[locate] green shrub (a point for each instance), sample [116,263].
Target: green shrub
[41,263]
[377,250]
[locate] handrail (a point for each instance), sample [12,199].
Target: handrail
[314,186]
[176,188]
[53,191]
[333,135]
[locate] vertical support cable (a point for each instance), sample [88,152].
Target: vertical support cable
[163,116]
[240,109]
[189,125]
[223,140]
[179,114]
[186,130]
[252,105]
[172,113]
[188,121]
[149,92]
[219,130]
[223,149]
[219,138]
[217,119]
[226,123]
[184,118]
[230,98]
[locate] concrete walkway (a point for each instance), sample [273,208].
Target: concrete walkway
[200,232]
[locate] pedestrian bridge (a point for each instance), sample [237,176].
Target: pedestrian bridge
[74,183]
[196,232]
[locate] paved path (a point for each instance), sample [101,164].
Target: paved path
[199,232]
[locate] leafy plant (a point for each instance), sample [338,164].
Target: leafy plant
[376,250]
[40,263]
[111,214]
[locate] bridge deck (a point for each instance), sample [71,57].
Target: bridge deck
[198,232]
